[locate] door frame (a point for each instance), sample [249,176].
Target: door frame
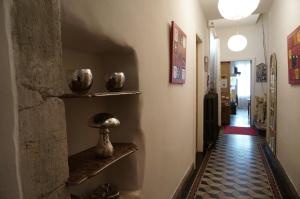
[252,83]
[200,89]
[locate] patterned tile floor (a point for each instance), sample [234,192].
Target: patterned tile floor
[235,169]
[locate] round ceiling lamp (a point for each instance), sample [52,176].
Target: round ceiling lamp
[237,9]
[237,43]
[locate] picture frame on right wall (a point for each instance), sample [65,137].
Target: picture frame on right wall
[272,108]
[293,44]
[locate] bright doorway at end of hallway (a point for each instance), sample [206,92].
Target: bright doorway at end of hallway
[236,97]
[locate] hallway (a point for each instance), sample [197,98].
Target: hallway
[240,119]
[236,168]
[126,99]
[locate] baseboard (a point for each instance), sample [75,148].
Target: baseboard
[185,185]
[186,177]
[286,187]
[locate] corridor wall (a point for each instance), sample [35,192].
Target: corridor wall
[167,111]
[254,52]
[284,17]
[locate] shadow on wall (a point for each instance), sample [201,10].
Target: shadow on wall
[77,35]
[85,46]
[9,188]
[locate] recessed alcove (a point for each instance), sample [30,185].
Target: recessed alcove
[86,48]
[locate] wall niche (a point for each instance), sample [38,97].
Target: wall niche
[86,48]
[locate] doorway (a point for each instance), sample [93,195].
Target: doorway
[236,93]
[240,91]
[200,90]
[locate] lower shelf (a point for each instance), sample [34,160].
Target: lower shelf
[85,165]
[123,195]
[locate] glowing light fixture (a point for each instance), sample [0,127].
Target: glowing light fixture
[237,43]
[237,9]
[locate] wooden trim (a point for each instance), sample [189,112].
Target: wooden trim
[199,175]
[180,188]
[286,187]
[270,175]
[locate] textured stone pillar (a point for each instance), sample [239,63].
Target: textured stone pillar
[36,50]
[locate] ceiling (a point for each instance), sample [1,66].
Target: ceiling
[252,19]
[210,8]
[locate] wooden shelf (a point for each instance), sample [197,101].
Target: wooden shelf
[122,195]
[85,165]
[100,94]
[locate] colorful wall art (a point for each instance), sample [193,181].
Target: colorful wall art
[294,56]
[178,55]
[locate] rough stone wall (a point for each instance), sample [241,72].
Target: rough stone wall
[36,49]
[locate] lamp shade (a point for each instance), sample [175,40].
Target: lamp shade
[237,43]
[237,9]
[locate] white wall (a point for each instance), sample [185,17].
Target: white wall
[202,89]
[215,68]
[167,111]
[284,17]
[254,51]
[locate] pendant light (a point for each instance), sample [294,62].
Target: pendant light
[237,9]
[237,43]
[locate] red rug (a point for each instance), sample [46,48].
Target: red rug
[239,130]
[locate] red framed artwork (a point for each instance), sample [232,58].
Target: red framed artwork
[294,57]
[178,55]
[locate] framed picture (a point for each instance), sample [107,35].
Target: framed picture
[294,56]
[178,55]
[261,72]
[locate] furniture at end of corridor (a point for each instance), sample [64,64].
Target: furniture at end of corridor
[226,110]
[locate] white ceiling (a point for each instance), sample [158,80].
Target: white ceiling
[210,8]
[227,23]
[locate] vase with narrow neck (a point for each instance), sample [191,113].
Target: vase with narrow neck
[104,147]
[104,121]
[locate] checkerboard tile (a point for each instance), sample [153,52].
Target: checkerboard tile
[235,170]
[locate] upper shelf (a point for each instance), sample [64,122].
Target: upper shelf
[101,94]
[85,165]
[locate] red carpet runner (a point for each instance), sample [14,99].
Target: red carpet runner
[239,130]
